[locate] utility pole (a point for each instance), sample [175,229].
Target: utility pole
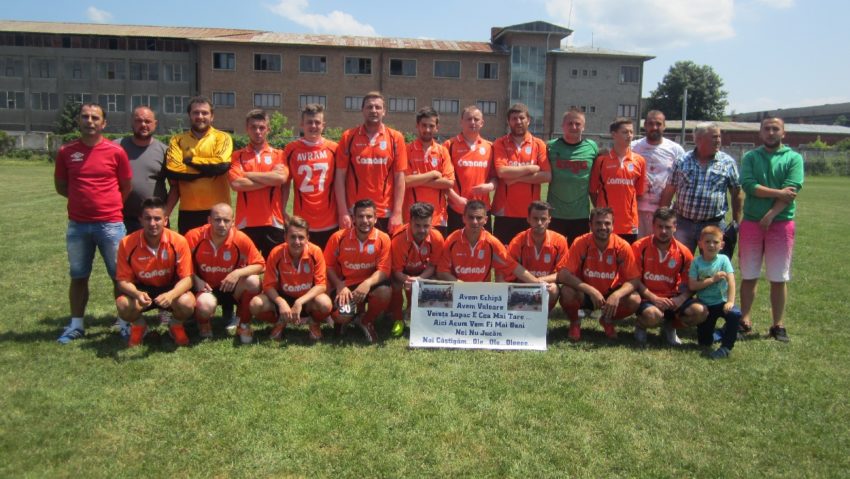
[684,114]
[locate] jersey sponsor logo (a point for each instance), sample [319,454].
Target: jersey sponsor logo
[471,270]
[658,277]
[589,273]
[157,273]
[538,274]
[414,264]
[574,166]
[215,269]
[312,155]
[77,156]
[621,181]
[296,288]
[358,266]
[372,161]
[473,164]
[517,163]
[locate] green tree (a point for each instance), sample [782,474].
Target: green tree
[706,97]
[66,122]
[817,145]
[840,120]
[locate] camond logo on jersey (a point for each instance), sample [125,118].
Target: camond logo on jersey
[370,249]
[77,156]
[547,258]
[609,259]
[383,145]
[481,254]
[527,150]
[226,255]
[672,263]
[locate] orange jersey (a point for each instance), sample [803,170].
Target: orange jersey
[513,200]
[312,169]
[138,263]
[354,261]
[550,258]
[258,207]
[618,186]
[604,270]
[663,272]
[423,160]
[294,278]
[473,166]
[371,165]
[411,258]
[212,264]
[473,263]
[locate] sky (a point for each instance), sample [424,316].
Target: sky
[770,53]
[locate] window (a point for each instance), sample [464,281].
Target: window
[446,69]
[358,66]
[313,64]
[629,74]
[628,111]
[111,70]
[353,103]
[267,100]
[12,100]
[593,73]
[77,69]
[224,61]
[486,107]
[42,68]
[405,68]
[445,106]
[591,109]
[224,99]
[78,98]
[175,104]
[144,71]
[488,71]
[112,102]
[402,104]
[267,62]
[11,67]
[574,72]
[175,72]
[303,100]
[44,101]
[150,101]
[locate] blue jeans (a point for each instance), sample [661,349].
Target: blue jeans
[81,241]
[705,329]
[687,231]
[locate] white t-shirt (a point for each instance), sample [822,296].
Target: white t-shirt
[659,164]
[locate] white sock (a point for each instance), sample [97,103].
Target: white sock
[121,323]
[76,323]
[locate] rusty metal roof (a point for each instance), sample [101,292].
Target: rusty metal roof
[118,30]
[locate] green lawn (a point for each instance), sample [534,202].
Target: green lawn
[345,409]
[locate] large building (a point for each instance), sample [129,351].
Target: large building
[43,65]
[829,114]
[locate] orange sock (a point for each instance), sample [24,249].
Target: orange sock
[375,306]
[396,303]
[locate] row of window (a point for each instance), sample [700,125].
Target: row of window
[628,74]
[628,111]
[273,62]
[80,69]
[91,41]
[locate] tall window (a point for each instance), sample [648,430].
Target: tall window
[224,61]
[402,67]
[313,64]
[175,72]
[12,100]
[267,100]
[488,71]
[358,66]
[77,69]
[446,69]
[144,71]
[353,103]
[175,104]
[150,101]
[44,101]
[303,100]
[267,62]
[486,107]
[78,98]
[402,104]
[111,70]
[629,74]
[11,67]
[628,111]
[42,68]
[112,102]
[445,106]
[224,99]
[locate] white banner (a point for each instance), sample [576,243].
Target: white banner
[478,315]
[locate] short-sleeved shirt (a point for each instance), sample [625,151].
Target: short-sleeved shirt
[354,261]
[468,262]
[606,270]
[295,278]
[701,192]
[138,263]
[665,273]
[312,167]
[209,155]
[659,159]
[550,258]
[371,165]
[422,159]
[701,269]
[513,200]
[212,264]
[259,207]
[777,170]
[571,167]
[617,185]
[93,175]
[411,258]
[148,164]
[473,165]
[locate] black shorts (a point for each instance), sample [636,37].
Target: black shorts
[572,229]
[265,238]
[153,292]
[669,315]
[455,222]
[225,300]
[385,282]
[187,220]
[505,228]
[630,238]
[320,238]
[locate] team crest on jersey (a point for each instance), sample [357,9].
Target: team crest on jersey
[480,150]
[609,259]
[481,254]
[268,159]
[370,249]
[671,264]
[547,258]
[630,167]
[165,255]
[383,145]
[423,250]
[306,268]
[226,255]
[527,150]
[434,162]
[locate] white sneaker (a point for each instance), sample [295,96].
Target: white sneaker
[165,317]
[231,326]
[640,335]
[246,335]
[672,337]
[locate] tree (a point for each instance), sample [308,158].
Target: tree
[67,119]
[706,98]
[840,120]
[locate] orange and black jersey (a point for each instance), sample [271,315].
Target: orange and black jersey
[295,277]
[411,258]
[606,270]
[468,262]
[550,258]
[312,167]
[473,165]
[138,263]
[664,273]
[212,264]
[353,260]
[513,200]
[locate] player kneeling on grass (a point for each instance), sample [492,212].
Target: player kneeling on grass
[713,278]
[664,263]
[541,251]
[294,283]
[226,265]
[358,260]
[601,274]
[416,248]
[154,271]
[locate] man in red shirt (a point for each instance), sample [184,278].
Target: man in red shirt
[311,165]
[472,159]
[618,179]
[416,248]
[257,173]
[664,263]
[154,270]
[295,283]
[541,251]
[226,265]
[522,166]
[370,164]
[601,274]
[358,262]
[95,175]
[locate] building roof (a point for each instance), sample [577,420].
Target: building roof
[531,27]
[827,109]
[742,126]
[243,36]
[599,52]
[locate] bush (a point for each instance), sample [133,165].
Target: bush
[7,142]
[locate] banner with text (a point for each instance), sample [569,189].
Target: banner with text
[478,315]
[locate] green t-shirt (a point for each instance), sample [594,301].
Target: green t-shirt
[571,165]
[777,170]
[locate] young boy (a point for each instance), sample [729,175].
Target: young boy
[713,278]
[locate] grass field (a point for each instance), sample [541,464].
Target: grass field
[345,409]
